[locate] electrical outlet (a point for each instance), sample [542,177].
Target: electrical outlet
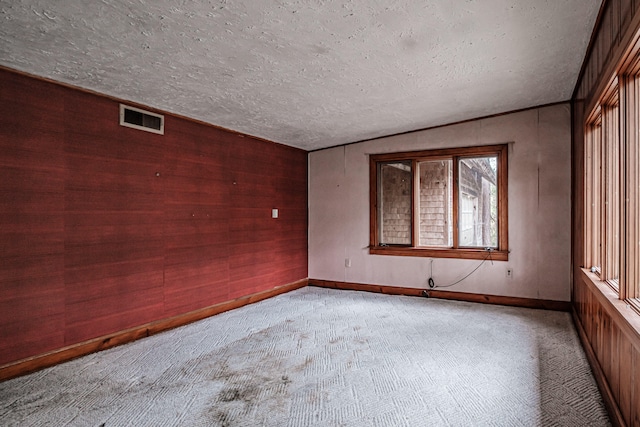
[509,273]
[347,262]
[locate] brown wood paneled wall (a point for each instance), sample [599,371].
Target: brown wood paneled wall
[616,22]
[609,331]
[105,227]
[615,346]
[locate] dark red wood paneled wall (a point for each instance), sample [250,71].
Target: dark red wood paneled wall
[104,227]
[32,175]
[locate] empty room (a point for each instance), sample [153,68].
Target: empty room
[320,213]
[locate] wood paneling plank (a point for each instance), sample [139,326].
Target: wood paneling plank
[625,374]
[22,338]
[635,394]
[614,361]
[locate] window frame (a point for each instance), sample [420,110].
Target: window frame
[629,99]
[592,192]
[499,253]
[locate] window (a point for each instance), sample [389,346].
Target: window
[395,202]
[602,188]
[612,182]
[448,203]
[611,187]
[630,182]
[593,193]
[436,214]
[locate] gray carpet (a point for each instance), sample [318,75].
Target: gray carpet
[320,357]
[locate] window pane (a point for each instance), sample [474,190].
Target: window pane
[612,193]
[596,179]
[478,202]
[394,203]
[436,193]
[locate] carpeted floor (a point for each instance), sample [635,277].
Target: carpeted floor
[320,357]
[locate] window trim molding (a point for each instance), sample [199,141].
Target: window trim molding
[501,253]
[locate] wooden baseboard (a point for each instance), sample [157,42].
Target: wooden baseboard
[610,403]
[35,363]
[458,296]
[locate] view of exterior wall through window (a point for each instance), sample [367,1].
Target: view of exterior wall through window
[395,203]
[436,200]
[478,202]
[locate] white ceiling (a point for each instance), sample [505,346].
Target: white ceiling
[308,73]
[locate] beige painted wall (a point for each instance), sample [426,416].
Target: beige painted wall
[539,209]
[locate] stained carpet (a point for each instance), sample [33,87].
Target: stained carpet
[321,357]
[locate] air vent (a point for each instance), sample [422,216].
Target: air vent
[139,119]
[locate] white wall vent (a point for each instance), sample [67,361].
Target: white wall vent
[140,119]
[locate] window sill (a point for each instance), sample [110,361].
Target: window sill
[480,254]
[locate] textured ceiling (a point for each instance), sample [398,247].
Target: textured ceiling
[308,73]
